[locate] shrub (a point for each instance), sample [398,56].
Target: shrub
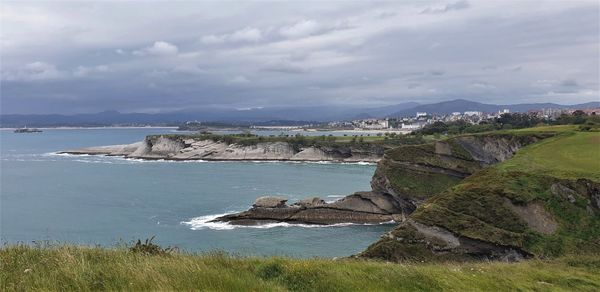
[149,248]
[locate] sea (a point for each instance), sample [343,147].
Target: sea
[49,198]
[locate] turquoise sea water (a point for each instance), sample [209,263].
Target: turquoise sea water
[105,200]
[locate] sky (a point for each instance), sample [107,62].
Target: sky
[141,56]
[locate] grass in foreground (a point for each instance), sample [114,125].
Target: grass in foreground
[83,268]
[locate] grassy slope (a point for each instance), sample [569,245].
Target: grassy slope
[80,268]
[422,185]
[476,206]
[569,155]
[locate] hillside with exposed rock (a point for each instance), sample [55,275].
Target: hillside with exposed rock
[525,207]
[405,177]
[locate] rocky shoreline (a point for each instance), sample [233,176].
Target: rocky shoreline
[419,165]
[360,208]
[181,149]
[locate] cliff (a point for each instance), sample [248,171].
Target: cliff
[182,147]
[417,172]
[544,202]
[405,177]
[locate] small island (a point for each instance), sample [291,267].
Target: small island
[27,130]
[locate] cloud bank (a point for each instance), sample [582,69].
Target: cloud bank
[158,56]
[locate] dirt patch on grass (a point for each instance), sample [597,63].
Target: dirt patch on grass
[535,215]
[595,140]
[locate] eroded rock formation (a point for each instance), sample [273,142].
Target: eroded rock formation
[405,177]
[189,148]
[362,207]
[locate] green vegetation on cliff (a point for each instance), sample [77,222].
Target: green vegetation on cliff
[69,268]
[422,171]
[247,139]
[543,202]
[569,155]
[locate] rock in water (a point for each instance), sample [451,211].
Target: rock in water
[310,202]
[361,207]
[269,202]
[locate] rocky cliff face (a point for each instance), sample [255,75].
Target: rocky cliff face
[417,172]
[405,177]
[182,148]
[361,207]
[499,216]
[494,213]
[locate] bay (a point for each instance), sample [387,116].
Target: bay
[97,200]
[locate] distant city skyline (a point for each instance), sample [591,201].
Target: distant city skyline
[149,57]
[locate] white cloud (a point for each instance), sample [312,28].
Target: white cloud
[448,7]
[247,34]
[213,39]
[302,28]
[159,48]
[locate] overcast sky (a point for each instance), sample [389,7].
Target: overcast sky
[75,57]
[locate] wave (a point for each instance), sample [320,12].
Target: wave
[204,222]
[110,159]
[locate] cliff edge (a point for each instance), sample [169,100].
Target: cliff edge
[543,202]
[405,177]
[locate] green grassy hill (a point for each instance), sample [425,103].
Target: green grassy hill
[543,202]
[569,155]
[69,268]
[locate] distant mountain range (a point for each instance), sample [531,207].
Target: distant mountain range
[262,115]
[462,105]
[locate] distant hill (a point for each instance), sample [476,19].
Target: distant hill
[462,105]
[258,115]
[232,116]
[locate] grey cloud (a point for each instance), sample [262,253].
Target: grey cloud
[189,69]
[413,85]
[35,71]
[569,83]
[240,79]
[448,7]
[285,67]
[481,85]
[83,71]
[437,72]
[217,54]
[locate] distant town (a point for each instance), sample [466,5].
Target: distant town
[418,121]
[397,119]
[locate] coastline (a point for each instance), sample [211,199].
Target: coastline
[183,147]
[175,159]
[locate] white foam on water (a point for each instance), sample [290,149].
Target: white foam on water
[63,154]
[103,158]
[204,222]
